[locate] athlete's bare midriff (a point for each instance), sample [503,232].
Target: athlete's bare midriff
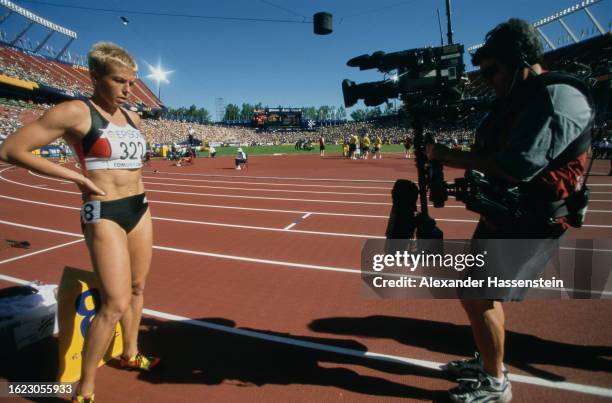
[117,183]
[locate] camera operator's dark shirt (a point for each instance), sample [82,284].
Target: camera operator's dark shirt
[550,121]
[527,136]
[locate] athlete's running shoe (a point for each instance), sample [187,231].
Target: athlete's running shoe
[139,362]
[82,399]
[481,388]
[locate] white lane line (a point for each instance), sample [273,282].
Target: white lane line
[293,224]
[265,190]
[47,177]
[242,183]
[267,183]
[212,195]
[40,251]
[267,228]
[249,259]
[36,187]
[207,254]
[277,177]
[216,224]
[270,198]
[266,198]
[268,210]
[53,231]
[14,279]
[261,261]
[371,355]
[221,207]
[40,203]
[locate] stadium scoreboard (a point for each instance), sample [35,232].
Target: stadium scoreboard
[278,117]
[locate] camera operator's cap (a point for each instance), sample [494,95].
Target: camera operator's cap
[239,149]
[514,42]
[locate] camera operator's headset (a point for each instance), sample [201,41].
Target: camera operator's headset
[573,207]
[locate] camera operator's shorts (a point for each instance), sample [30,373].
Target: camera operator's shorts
[522,253]
[126,212]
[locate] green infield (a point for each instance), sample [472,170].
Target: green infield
[290,149]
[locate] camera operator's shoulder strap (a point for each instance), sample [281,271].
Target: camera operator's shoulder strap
[582,143]
[573,207]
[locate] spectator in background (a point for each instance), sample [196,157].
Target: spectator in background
[353,146]
[241,158]
[407,146]
[365,146]
[377,146]
[322,146]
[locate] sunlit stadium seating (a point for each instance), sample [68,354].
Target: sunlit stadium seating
[71,79]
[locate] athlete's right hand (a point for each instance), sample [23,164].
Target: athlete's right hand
[89,188]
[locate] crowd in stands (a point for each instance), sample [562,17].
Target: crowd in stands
[18,67]
[69,80]
[168,132]
[13,114]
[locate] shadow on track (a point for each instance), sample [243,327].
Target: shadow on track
[523,351]
[197,355]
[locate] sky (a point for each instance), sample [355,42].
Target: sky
[279,63]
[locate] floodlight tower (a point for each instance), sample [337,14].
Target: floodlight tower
[584,5]
[159,76]
[220,104]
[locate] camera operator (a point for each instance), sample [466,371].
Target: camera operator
[533,138]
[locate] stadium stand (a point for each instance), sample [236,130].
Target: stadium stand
[70,80]
[595,53]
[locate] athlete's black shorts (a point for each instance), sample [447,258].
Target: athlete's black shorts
[126,212]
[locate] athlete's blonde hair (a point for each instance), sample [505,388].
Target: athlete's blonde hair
[105,54]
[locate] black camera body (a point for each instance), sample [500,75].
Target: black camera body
[502,202]
[494,199]
[421,73]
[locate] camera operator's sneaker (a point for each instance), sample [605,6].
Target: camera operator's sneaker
[481,388]
[467,367]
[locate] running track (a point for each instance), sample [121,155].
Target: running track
[255,295]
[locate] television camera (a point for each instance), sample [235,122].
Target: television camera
[429,81]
